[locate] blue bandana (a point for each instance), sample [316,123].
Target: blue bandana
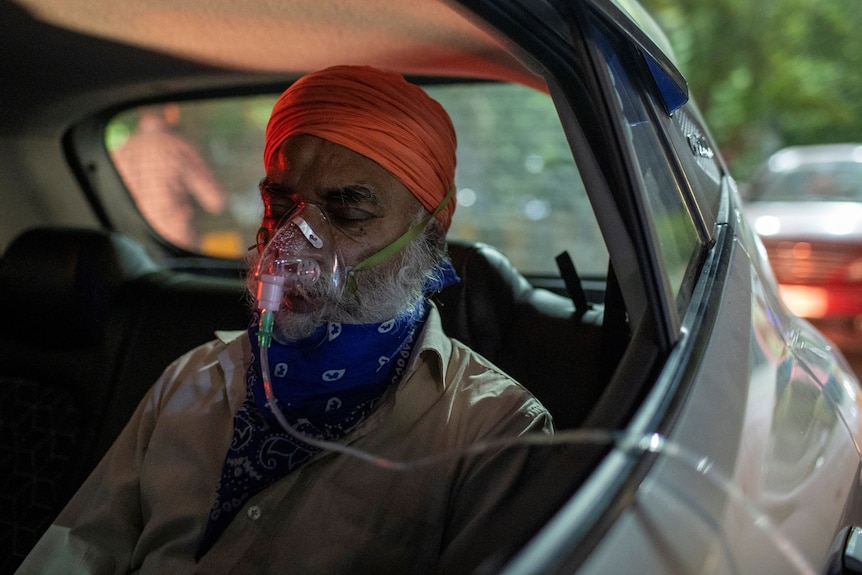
[324,385]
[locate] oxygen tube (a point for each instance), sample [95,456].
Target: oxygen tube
[299,261]
[301,258]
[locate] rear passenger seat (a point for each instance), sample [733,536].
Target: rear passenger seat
[88,322]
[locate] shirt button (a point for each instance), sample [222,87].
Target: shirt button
[254,512]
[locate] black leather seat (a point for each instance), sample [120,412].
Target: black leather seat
[58,288]
[87,323]
[533,334]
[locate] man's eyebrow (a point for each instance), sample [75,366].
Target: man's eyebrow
[352,195]
[273,187]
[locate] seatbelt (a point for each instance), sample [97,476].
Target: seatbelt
[573,283]
[615,326]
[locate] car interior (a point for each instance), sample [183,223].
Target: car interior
[604,262]
[79,353]
[69,396]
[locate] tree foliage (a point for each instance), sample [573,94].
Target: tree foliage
[769,73]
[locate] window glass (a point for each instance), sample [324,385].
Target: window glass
[518,186]
[664,199]
[192,169]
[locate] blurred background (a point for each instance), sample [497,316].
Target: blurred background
[780,86]
[770,73]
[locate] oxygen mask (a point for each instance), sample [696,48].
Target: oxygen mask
[300,267]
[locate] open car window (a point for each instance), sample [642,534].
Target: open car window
[192,170]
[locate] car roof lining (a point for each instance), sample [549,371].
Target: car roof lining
[295,36]
[107,52]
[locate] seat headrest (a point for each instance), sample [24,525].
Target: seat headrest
[481,309]
[56,284]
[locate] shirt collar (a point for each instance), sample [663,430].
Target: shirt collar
[227,337]
[433,344]
[235,356]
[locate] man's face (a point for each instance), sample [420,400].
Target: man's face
[368,209]
[366,204]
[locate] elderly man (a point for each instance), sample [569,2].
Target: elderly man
[331,436]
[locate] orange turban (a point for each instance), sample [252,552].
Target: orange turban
[379,115]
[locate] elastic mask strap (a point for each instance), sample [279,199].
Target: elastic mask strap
[411,234]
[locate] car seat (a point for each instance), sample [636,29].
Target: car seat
[88,322]
[533,334]
[57,288]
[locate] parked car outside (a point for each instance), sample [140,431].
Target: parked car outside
[806,205]
[702,427]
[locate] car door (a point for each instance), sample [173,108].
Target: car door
[757,417]
[733,421]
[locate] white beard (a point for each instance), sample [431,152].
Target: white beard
[381,293]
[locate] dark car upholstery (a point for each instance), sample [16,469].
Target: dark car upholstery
[58,290]
[533,334]
[88,322]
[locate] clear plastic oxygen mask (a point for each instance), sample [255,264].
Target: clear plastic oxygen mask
[299,268]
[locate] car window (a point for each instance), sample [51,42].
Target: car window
[176,157]
[664,198]
[518,186]
[192,169]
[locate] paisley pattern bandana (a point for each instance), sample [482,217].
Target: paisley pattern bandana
[325,385]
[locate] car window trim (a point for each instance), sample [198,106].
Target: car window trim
[630,187]
[562,543]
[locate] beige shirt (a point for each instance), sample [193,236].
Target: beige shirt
[144,508]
